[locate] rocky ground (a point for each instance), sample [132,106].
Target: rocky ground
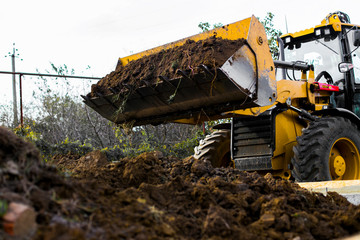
[156,197]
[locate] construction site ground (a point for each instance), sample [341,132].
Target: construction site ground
[152,196]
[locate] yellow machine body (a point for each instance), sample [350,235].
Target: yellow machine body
[288,125]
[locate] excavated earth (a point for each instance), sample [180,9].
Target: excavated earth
[156,197]
[212,52]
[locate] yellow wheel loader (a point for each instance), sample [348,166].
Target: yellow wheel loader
[296,117]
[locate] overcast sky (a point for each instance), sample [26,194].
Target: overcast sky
[79,33]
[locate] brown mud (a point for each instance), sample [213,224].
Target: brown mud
[157,197]
[212,52]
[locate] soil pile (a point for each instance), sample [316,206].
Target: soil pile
[157,197]
[212,52]
[25,179]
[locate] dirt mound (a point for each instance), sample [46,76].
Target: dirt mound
[77,164]
[212,52]
[23,176]
[144,198]
[25,179]
[156,197]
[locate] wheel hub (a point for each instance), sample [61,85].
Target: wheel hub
[343,160]
[339,166]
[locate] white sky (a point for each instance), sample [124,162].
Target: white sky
[79,33]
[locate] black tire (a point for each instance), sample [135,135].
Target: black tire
[328,149]
[215,148]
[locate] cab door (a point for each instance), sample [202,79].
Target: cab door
[354,41]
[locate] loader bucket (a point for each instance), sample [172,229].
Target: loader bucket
[245,79]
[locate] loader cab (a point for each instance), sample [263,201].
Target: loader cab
[326,46]
[323,52]
[354,73]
